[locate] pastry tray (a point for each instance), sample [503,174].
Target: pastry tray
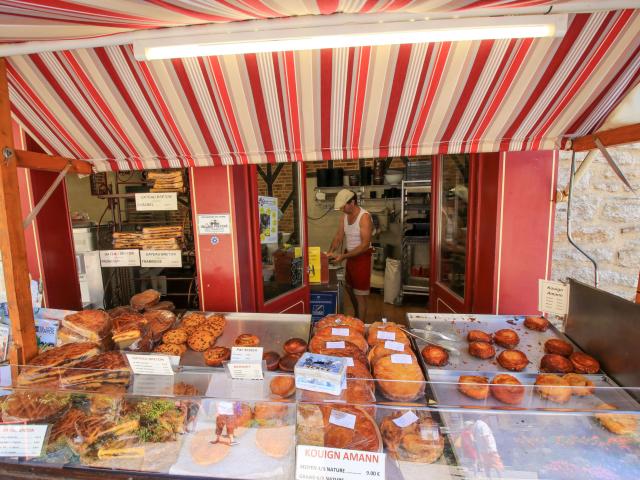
[457,326]
[271,328]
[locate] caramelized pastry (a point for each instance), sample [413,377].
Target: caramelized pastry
[215,356]
[383,331]
[474,386]
[506,338]
[340,320]
[283,386]
[513,360]
[620,424]
[583,363]
[539,324]
[435,355]
[399,377]
[380,350]
[479,336]
[553,363]
[319,342]
[288,362]
[558,347]
[481,350]
[553,388]
[364,436]
[507,389]
[295,345]
[247,340]
[581,386]
[272,359]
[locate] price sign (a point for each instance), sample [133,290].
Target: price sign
[150,364]
[147,202]
[553,297]
[22,440]
[321,463]
[161,258]
[246,363]
[120,258]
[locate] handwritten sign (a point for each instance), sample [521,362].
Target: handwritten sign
[214,224]
[246,363]
[553,297]
[322,463]
[120,258]
[147,202]
[150,364]
[161,258]
[22,440]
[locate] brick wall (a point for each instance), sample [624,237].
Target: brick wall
[605,223]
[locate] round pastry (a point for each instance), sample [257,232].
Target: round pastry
[539,324]
[270,414]
[288,362]
[349,350]
[583,363]
[192,319]
[553,388]
[507,389]
[247,340]
[340,320]
[215,356]
[295,345]
[391,331]
[200,340]
[581,386]
[380,350]
[171,348]
[416,448]
[319,342]
[364,436]
[558,347]
[216,319]
[175,336]
[481,350]
[283,385]
[479,336]
[360,388]
[145,299]
[513,360]
[215,330]
[405,381]
[392,433]
[552,363]
[474,386]
[506,338]
[272,359]
[620,424]
[435,355]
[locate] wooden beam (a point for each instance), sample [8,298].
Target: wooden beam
[50,163]
[609,138]
[12,245]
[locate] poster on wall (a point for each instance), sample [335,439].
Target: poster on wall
[268,219]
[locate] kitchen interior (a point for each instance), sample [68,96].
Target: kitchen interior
[397,193]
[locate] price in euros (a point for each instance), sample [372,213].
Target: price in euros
[371,473]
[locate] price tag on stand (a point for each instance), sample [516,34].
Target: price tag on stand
[322,463]
[152,364]
[553,297]
[148,202]
[246,363]
[120,258]
[161,258]
[22,440]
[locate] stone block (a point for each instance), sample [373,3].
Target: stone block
[624,279]
[592,233]
[622,211]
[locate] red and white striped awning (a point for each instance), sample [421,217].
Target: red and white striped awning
[103,105]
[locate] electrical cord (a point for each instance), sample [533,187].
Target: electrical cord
[321,216]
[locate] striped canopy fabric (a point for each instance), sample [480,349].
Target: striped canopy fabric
[102,105]
[24,20]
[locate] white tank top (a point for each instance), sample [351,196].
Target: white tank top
[352,232]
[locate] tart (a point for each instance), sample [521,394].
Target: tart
[295,345]
[558,347]
[247,340]
[399,377]
[552,363]
[482,350]
[506,338]
[474,386]
[507,389]
[581,386]
[553,388]
[215,356]
[539,324]
[479,336]
[513,360]
[583,363]
[272,359]
[435,355]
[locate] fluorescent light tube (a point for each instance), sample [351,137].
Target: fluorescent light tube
[223,40]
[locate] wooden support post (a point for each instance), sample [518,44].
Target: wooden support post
[638,290]
[12,245]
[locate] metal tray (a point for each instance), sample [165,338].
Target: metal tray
[457,326]
[273,329]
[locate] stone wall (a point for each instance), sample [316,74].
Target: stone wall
[606,223]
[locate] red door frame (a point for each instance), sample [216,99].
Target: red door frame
[441,298]
[294,301]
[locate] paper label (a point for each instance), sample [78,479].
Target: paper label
[161,258]
[391,345]
[322,463]
[224,408]
[47,331]
[214,224]
[401,358]
[349,361]
[246,363]
[120,258]
[342,419]
[22,440]
[335,345]
[406,419]
[150,364]
[315,264]
[553,297]
[147,202]
[4,341]
[382,335]
[340,332]
[153,385]
[246,354]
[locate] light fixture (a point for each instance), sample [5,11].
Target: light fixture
[327,31]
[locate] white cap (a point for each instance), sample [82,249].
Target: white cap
[342,198]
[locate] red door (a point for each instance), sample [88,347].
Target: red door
[279,213]
[452,228]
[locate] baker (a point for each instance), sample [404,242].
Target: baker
[354,232]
